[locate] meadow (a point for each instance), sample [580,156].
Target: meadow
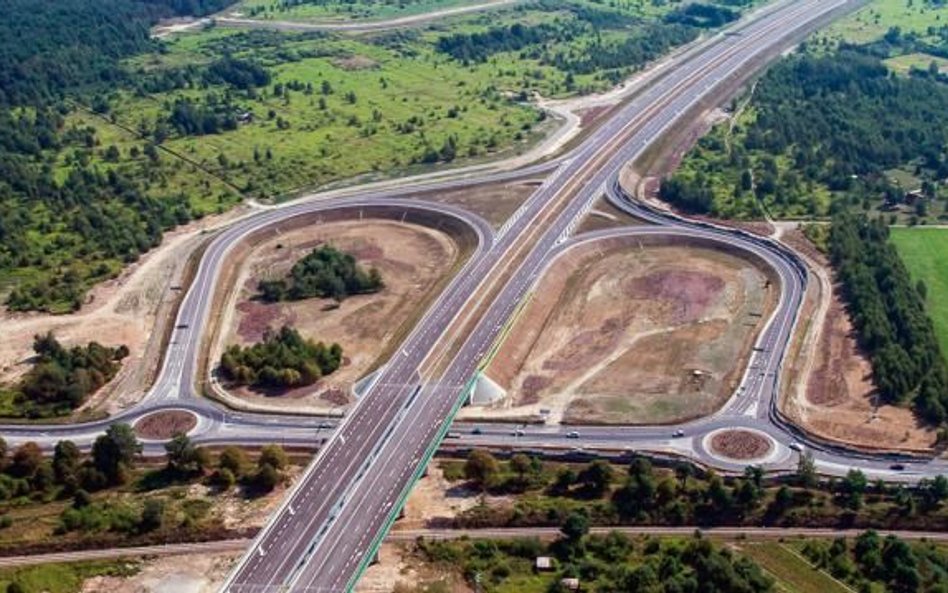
[923,251]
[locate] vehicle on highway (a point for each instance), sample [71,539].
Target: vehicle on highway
[454,435]
[796,446]
[572,434]
[678,433]
[517,433]
[477,430]
[897,467]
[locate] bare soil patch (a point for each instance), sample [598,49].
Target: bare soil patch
[838,400]
[743,445]
[413,260]
[628,332]
[434,502]
[188,573]
[164,425]
[355,63]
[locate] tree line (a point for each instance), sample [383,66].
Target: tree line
[282,359]
[888,311]
[641,494]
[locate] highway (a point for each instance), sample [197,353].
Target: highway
[324,536]
[325,532]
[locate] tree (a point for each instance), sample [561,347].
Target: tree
[233,459]
[223,478]
[15,587]
[266,478]
[274,456]
[853,486]
[183,456]
[115,451]
[66,458]
[152,514]
[521,464]
[481,468]
[26,460]
[806,470]
[596,478]
[574,528]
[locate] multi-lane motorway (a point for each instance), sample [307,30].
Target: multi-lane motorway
[325,532]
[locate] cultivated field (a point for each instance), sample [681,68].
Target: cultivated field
[412,260]
[624,333]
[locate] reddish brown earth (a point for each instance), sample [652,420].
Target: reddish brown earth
[740,444]
[164,425]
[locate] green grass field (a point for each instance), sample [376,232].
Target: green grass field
[872,21]
[925,253]
[63,578]
[791,571]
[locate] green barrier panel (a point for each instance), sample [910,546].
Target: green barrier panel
[393,514]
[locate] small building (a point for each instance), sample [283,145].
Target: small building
[544,564]
[570,583]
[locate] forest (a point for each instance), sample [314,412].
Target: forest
[62,378]
[281,360]
[325,272]
[65,228]
[888,311]
[820,124]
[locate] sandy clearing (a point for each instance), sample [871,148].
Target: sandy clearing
[663,333]
[434,502]
[412,260]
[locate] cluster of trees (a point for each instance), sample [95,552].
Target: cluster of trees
[478,46]
[282,360]
[612,562]
[24,472]
[871,560]
[62,378]
[682,495]
[703,15]
[190,118]
[840,121]
[325,272]
[888,311]
[233,467]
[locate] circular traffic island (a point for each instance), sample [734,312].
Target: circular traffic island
[165,424]
[741,445]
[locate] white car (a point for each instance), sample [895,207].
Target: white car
[796,446]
